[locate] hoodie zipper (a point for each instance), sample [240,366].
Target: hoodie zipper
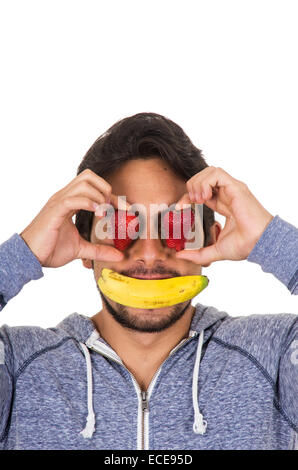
[145,408]
[143,396]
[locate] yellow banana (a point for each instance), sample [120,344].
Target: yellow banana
[149,293]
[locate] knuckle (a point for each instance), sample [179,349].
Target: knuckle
[224,172]
[84,174]
[53,198]
[100,248]
[242,184]
[245,187]
[84,185]
[108,187]
[99,252]
[67,201]
[102,198]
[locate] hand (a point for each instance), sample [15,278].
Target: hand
[246,218]
[53,237]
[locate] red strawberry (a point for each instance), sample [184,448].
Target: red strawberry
[186,219]
[121,227]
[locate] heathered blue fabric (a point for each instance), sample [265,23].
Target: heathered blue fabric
[247,385]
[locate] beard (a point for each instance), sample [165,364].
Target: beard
[142,322]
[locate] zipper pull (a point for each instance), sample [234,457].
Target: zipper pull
[145,405]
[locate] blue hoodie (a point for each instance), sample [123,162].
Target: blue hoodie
[231,384]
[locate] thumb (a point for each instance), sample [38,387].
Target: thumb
[203,256]
[98,252]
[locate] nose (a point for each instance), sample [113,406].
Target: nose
[148,250]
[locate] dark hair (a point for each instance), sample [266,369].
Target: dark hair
[143,135]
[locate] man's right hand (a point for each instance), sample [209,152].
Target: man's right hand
[53,237]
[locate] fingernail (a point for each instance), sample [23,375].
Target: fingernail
[100,213]
[95,205]
[122,205]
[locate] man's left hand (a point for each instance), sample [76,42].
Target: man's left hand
[246,218]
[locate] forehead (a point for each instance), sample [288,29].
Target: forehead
[147,181]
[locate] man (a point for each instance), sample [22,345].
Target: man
[178,377]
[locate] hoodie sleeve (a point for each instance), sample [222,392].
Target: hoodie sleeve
[288,376]
[276,252]
[6,383]
[18,265]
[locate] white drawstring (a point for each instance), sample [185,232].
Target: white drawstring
[90,423]
[200,424]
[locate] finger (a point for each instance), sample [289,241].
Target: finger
[191,190]
[115,201]
[97,181]
[98,252]
[210,197]
[185,199]
[214,178]
[203,256]
[119,202]
[218,189]
[70,205]
[86,189]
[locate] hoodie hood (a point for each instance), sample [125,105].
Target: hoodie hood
[205,321]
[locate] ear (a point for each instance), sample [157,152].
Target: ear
[87,263]
[215,230]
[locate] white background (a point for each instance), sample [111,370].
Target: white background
[225,71]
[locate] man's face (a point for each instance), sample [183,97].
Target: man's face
[145,182]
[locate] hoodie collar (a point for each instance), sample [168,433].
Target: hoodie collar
[81,327]
[204,322]
[206,318]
